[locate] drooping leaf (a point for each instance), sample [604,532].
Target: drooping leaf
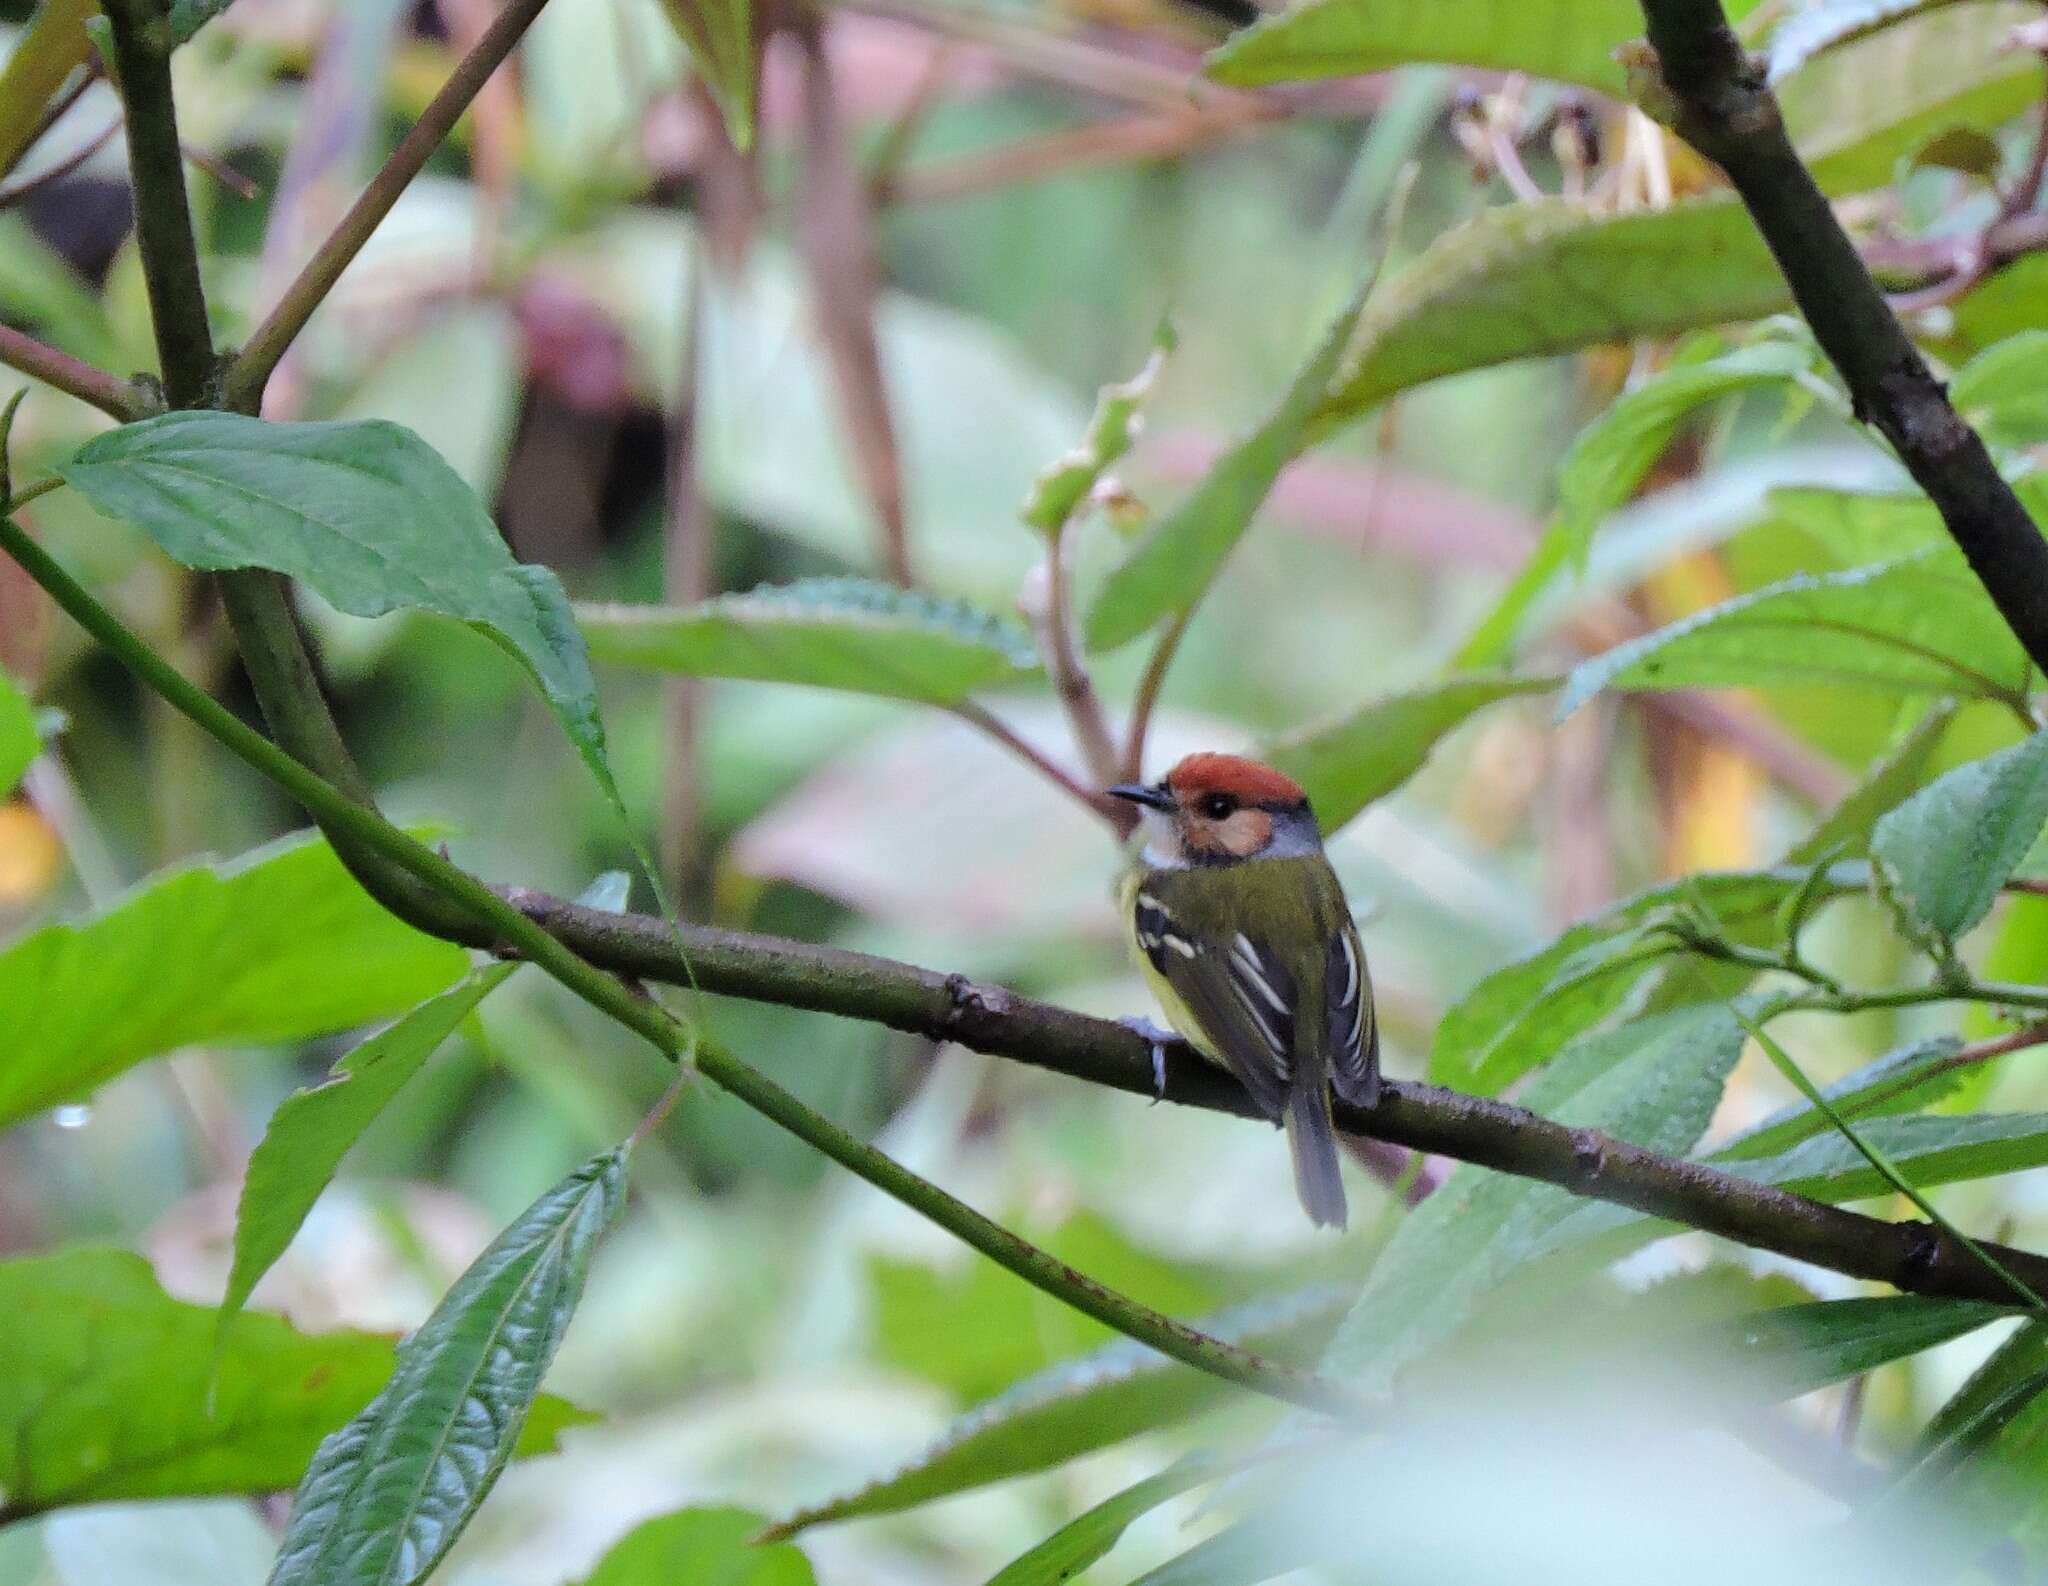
[1182,552]
[1795,1349]
[1654,1083]
[386,1496]
[20,741]
[1525,280]
[719,35]
[1078,1406]
[1944,853]
[1613,454]
[1344,38]
[1347,764]
[705,1547]
[1083,1540]
[312,1130]
[847,633]
[1521,1015]
[1933,1150]
[1906,1080]
[1918,624]
[54,45]
[363,512]
[1067,479]
[111,1389]
[2003,391]
[281,945]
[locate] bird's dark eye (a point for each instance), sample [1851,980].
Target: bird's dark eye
[1216,806]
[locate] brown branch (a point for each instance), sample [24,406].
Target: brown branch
[1720,103]
[1912,1256]
[72,376]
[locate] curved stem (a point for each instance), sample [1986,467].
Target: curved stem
[1147,698]
[74,377]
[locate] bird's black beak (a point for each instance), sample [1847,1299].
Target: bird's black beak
[1151,797]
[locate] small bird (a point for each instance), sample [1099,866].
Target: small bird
[1243,933]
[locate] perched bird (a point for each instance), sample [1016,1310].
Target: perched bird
[1241,927]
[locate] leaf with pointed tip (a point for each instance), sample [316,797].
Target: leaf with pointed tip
[312,1130]
[1525,280]
[278,946]
[1918,624]
[1347,764]
[1943,854]
[1343,38]
[1083,1540]
[20,739]
[1181,554]
[364,513]
[1796,1349]
[848,633]
[386,1496]
[719,35]
[1078,1406]
[115,1390]
[702,1546]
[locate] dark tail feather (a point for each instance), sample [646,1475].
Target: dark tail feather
[1313,1143]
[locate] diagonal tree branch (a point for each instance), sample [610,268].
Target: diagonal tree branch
[74,377]
[1719,102]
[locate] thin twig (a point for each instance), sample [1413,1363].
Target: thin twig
[73,376]
[979,716]
[250,369]
[1146,699]
[22,187]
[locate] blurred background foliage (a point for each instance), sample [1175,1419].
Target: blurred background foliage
[591,280]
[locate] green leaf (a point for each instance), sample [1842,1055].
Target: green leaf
[703,1547]
[1845,830]
[1984,1453]
[1828,24]
[1080,1542]
[2003,391]
[1934,1150]
[20,739]
[364,513]
[1857,528]
[113,1389]
[1078,1406]
[387,1495]
[54,45]
[1345,38]
[1524,280]
[1525,1012]
[1348,763]
[279,946]
[313,1129]
[1065,482]
[1918,624]
[1654,1083]
[1613,454]
[848,633]
[1181,554]
[719,35]
[1944,853]
[1796,1349]
[187,17]
[1907,1080]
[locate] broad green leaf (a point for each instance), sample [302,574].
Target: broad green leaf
[1065,482]
[1348,763]
[20,740]
[1918,624]
[1080,1542]
[364,513]
[1613,454]
[1943,854]
[848,633]
[1855,113]
[1931,1150]
[1857,528]
[1525,1012]
[1985,1452]
[1907,1080]
[719,35]
[1078,1406]
[1795,1349]
[54,45]
[312,1130]
[703,1547]
[1183,551]
[281,945]
[1524,280]
[1654,1083]
[1345,38]
[1828,24]
[1844,832]
[2003,391]
[114,1390]
[387,1495]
